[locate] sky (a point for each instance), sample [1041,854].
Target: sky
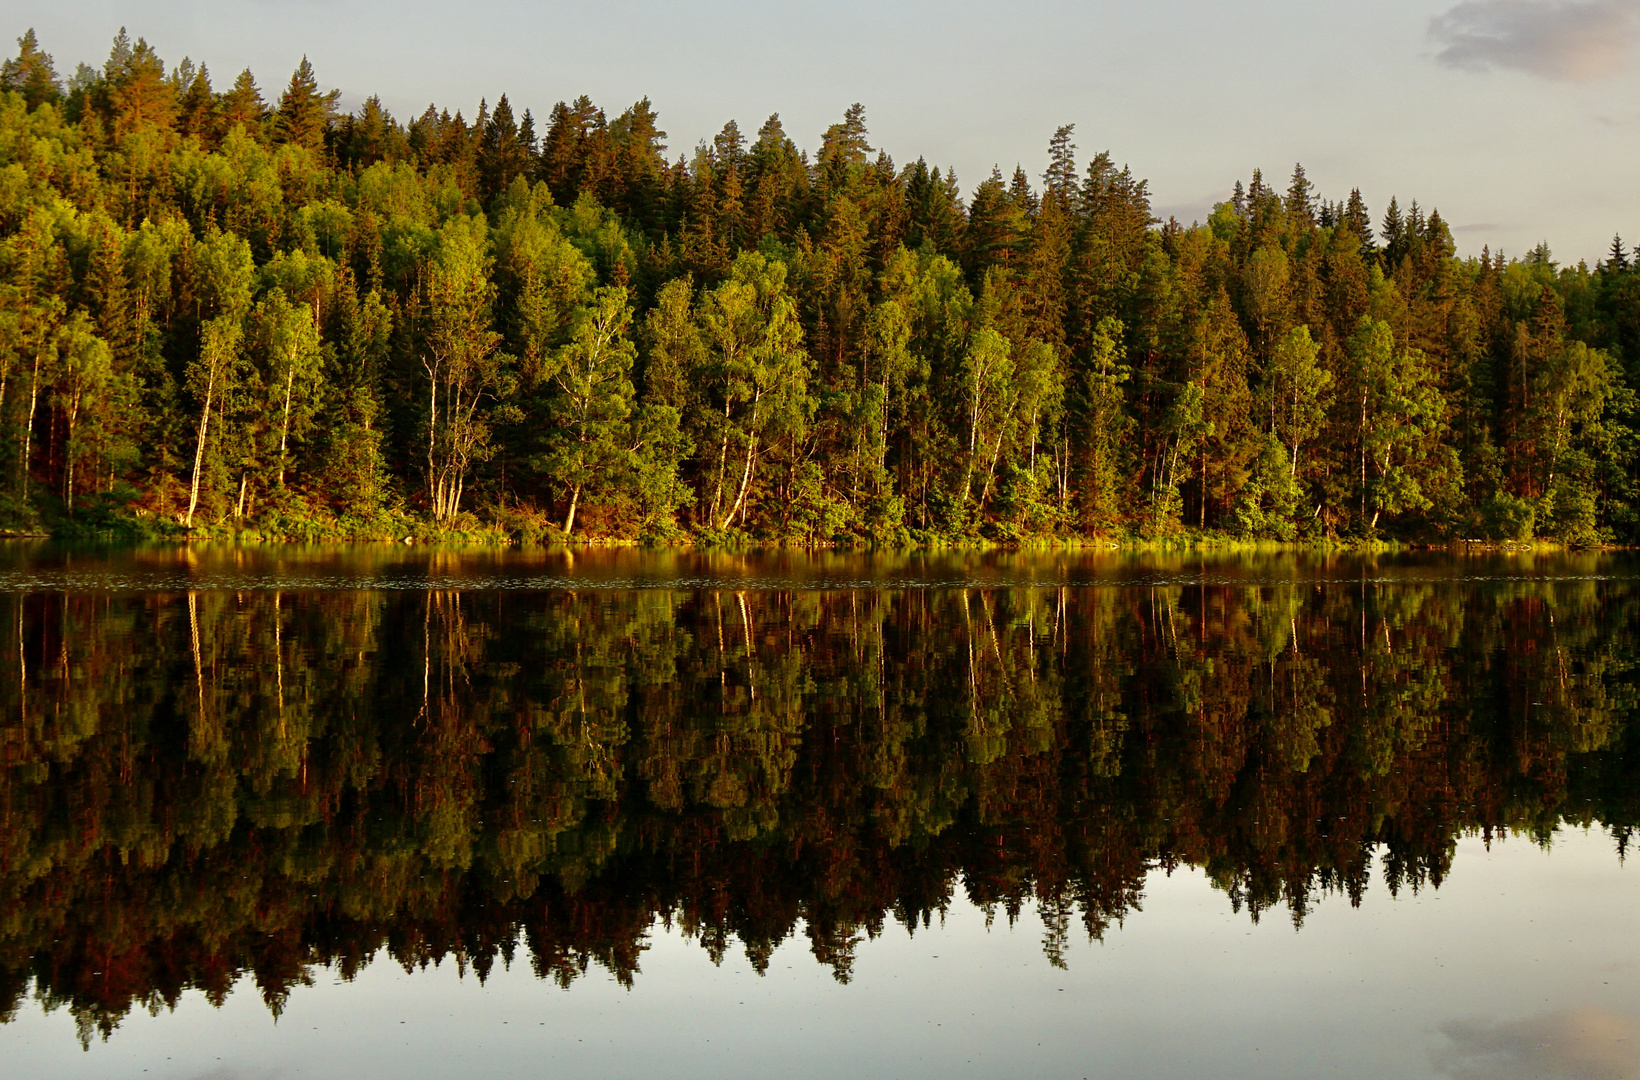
[1517,119]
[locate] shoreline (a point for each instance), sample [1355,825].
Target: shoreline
[494,540]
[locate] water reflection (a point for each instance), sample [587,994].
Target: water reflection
[1585,1044]
[212,784]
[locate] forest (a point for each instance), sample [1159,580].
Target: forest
[230,312]
[199,787]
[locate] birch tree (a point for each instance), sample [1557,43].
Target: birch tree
[594,397]
[85,367]
[460,358]
[759,371]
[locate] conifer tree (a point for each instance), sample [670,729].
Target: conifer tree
[139,94]
[1300,201]
[304,114]
[196,108]
[242,106]
[31,73]
[504,151]
[1617,257]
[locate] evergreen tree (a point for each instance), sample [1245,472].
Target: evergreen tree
[139,94]
[304,115]
[504,151]
[1617,258]
[31,73]
[242,106]
[1300,201]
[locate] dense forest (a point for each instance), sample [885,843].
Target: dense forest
[236,313]
[200,786]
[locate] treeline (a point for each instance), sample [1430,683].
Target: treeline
[237,314]
[199,787]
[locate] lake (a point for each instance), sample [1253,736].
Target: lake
[389,811]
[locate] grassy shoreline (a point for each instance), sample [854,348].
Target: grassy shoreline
[413,533]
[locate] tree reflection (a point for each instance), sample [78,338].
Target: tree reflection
[201,786]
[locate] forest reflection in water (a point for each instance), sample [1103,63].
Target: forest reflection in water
[208,778]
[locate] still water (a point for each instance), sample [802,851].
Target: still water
[389,812]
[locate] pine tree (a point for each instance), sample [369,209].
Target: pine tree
[371,136]
[31,73]
[934,208]
[995,227]
[844,152]
[567,150]
[1059,182]
[640,164]
[139,94]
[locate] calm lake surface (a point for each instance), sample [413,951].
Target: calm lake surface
[410,812]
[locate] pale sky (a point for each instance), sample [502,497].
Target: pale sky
[1518,119]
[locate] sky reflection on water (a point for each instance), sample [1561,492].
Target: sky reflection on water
[1523,965]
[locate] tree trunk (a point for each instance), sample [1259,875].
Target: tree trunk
[1201,510]
[723,465]
[569,518]
[1364,455]
[284,429]
[432,432]
[199,449]
[28,429]
[68,454]
[745,482]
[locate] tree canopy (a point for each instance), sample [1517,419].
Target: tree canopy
[567,333]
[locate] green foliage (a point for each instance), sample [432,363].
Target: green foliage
[817,349]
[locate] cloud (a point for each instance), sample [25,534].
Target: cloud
[1585,1044]
[1557,39]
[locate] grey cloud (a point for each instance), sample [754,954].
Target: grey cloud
[1557,39]
[1586,1044]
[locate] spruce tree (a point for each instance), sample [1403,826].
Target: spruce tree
[1300,202]
[1617,258]
[1393,231]
[304,114]
[503,152]
[242,105]
[1358,223]
[197,107]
